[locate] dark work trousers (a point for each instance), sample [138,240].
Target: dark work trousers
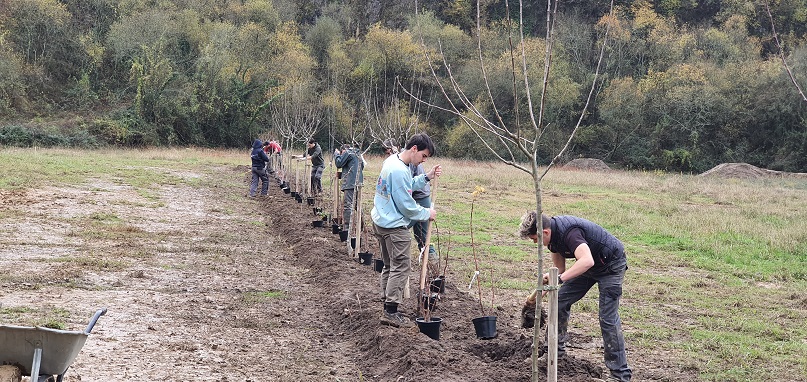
[347,206]
[259,174]
[316,179]
[609,281]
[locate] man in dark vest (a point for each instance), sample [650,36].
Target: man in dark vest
[599,259]
[352,164]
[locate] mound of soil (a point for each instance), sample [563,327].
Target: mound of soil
[588,164]
[748,171]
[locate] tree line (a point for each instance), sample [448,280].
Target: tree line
[684,85]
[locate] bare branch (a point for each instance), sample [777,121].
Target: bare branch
[590,94]
[782,53]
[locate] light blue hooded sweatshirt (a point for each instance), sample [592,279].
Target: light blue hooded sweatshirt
[393,205]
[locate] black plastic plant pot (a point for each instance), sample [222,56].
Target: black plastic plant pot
[294,194]
[310,200]
[365,258]
[318,223]
[335,228]
[317,210]
[299,198]
[286,190]
[343,235]
[352,242]
[324,219]
[378,265]
[485,327]
[438,284]
[429,302]
[430,328]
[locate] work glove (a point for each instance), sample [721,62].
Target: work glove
[528,311]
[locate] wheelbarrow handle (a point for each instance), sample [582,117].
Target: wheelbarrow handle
[95,317]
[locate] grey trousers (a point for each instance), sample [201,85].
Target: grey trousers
[316,179]
[259,174]
[609,281]
[347,206]
[395,246]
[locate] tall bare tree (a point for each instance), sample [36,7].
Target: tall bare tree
[389,116]
[782,52]
[519,137]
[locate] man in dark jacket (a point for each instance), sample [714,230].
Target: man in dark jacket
[314,152]
[423,198]
[599,259]
[259,159]
[352,166]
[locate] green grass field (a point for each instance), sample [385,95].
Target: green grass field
[718,267]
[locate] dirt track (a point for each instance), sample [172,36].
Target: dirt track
[205,284]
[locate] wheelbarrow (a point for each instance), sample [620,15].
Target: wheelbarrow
[48,351]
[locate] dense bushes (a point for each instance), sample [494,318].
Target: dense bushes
[16,135]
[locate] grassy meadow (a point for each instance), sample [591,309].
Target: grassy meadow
[718,267]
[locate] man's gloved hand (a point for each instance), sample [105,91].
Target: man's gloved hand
[528,311]
[528,316]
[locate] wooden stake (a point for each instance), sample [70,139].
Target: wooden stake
[334,214]
[425,260]
[296,176]
[356,216]
[552,328]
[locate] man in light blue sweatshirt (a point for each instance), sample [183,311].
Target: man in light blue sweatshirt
[393,211]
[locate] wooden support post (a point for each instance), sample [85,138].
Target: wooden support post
[296,176]
[552,328]
[307,174]
[424,262]
[356,217]
[335,213]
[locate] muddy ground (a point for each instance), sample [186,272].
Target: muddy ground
[205,284]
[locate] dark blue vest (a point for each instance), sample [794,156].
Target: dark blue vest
[604,246]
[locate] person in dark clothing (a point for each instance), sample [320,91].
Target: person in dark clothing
[259,159]
[599,259]
[352,166]
[314,152]
[423,198]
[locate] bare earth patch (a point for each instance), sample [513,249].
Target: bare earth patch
[203,284]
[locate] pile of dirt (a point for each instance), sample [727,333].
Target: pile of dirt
[588,164]
[748,171]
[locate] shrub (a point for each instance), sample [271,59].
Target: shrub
[109,131]
[15,135]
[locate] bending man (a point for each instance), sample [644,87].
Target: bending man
[599,259]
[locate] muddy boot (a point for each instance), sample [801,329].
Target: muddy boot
[396,319]
[392,317]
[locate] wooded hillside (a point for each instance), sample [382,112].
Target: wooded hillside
[686,85]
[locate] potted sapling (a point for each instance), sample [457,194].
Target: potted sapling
[485,325]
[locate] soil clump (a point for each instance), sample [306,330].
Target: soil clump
[748,171]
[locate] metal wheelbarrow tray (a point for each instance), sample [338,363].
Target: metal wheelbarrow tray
[42,352]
